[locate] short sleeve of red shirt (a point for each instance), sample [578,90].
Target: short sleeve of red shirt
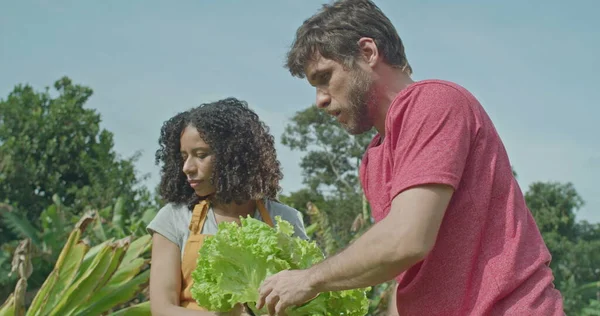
[430,131]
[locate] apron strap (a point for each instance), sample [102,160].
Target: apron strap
[190,255]
[198,217]
[264,213]
[201,209]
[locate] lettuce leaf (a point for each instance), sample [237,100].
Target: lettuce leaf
[233,263]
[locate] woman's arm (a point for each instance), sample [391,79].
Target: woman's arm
[165,281]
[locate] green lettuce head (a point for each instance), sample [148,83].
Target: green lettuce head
[233,264]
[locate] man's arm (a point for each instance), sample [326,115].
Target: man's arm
[391,246]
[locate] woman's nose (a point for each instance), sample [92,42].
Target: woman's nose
[188,167]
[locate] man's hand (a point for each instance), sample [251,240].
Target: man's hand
[285,289]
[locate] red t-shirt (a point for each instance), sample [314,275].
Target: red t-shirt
[489,257]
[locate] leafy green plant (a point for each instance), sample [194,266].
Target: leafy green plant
[45,242]
[593,308]
[235,261]
[115,221]
[323,233]
[85,280]
[55,222]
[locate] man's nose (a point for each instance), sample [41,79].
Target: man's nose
[323,99]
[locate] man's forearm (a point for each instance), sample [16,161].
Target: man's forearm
[376,257]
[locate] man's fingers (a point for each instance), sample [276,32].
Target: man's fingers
[261,299]
[280,308]
[263,292]
[271,301]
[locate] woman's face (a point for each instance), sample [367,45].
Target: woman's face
[198,161]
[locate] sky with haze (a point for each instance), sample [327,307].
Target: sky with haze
[532,64]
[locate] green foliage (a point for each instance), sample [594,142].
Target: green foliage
[332,155]
[46,242]
[575,246]
[300,199]
[116,222]
[84,280]
[235,262]
[330,168]
[52,145]
[553,206]
[112,223]
[323,235]
[592,309]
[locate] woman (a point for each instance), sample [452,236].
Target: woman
[218,163]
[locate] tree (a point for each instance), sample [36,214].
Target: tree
[330,168]
[54,145]
[575,246]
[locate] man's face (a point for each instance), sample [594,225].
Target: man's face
[345,94]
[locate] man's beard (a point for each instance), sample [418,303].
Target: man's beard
[360,98]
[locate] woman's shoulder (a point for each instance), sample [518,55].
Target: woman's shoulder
[277,208]
[171,221]
[289,214]
[174,207]
[173,213]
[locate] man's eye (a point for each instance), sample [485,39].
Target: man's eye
[324,78]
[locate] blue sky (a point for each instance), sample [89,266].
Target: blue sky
[533,66]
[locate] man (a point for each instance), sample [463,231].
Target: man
[452,225]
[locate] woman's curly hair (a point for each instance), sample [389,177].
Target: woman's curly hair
[245,161]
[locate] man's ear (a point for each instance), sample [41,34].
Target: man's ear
[369,51]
